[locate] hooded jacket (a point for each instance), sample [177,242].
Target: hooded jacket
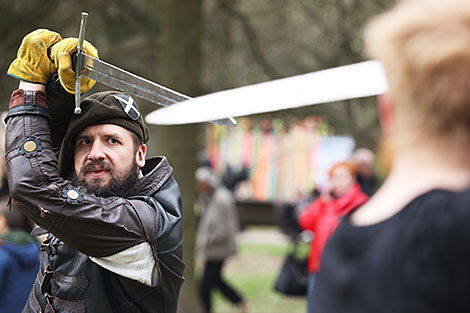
[19,264]
[83,227]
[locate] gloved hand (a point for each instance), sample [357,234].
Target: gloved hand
[61,56]
[42,53]
[32,63]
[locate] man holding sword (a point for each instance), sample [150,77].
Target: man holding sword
[114,218]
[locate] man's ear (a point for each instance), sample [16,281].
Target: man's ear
[386,114]
[140,156]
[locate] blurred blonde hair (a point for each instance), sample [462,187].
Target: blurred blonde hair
[424,46]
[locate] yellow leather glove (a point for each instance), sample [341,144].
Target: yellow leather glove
[32,63]
[61,56]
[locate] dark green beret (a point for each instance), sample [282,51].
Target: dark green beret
[109,107]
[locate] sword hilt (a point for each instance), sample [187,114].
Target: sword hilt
[79,61]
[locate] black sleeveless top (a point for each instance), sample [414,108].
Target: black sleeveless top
[416,261]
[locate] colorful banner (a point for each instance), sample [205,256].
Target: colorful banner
[285,161]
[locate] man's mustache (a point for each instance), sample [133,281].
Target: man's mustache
[100,165]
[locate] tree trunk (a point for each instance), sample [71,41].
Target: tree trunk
[179,69]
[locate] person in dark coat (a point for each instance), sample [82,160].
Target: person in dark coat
[407,248]
[19,260]
[365,175]
[113,217]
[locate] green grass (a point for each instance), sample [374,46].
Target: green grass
[253,273]
[256,249]
[274,250]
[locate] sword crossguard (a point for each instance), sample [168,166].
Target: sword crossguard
[79,61]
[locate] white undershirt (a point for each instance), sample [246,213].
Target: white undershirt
[136,263]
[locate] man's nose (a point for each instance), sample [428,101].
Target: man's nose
[96,151]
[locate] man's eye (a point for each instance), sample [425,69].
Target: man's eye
[84,142]
[112,140]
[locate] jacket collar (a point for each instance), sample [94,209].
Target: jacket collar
[156,172]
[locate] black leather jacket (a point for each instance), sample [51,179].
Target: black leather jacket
[82,225]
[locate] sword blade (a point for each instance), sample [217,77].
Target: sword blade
[335,84]
[120,79]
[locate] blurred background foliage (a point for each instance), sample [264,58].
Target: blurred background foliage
[241,42]
[202,46]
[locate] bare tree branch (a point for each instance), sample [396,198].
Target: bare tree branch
[252,38]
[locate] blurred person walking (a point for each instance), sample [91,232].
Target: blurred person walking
[217,231]
[340,197]
[407,249]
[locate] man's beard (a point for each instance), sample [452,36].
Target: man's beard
[123,185]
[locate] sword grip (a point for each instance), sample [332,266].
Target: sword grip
[74,62]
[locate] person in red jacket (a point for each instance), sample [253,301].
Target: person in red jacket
[323,215]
